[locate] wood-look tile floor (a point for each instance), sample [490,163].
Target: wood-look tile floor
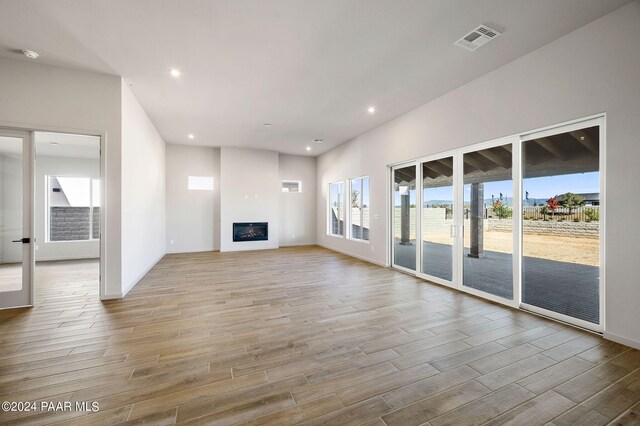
[302,335]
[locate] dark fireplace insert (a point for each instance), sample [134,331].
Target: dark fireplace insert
[255,231]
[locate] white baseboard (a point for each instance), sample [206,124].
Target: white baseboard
[137,280]
[193,251]
[298,245]
[621,339]
[354,255]
[111,296]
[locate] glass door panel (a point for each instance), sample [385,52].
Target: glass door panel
[437,218]
[404,217]
[561,218]
[15,289]
[488,221]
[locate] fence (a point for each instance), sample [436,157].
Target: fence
[580,214]
[561,214]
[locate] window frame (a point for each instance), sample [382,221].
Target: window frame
[329,223]
[361,208]
[299,182]
[47,207]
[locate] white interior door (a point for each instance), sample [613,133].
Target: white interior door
[16,237]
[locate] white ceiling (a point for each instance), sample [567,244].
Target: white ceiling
[309,67]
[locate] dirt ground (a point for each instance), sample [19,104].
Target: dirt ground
[582,250]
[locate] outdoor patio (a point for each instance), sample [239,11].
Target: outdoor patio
[566,288]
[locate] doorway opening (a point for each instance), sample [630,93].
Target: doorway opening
[67,214]
[50,216]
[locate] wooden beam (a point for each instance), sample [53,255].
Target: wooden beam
[476,163]
[431,173]
[447,162]
[585,140]
[440,168]
[495,158]
[552,148]
[401,175]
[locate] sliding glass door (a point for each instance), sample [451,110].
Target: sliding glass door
[437,221]
[561,223]
[404,217]
[488,220]
[516,220]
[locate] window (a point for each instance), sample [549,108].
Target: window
[73,208]
[291,186]
[359,211]
[336,209]
[200,183]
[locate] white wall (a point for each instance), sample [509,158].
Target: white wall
[193,217]
[249,192]
[143,192]
[61,166]
[590,71]
[298,209]
[45,97]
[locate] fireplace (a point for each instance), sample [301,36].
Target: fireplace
[245,231]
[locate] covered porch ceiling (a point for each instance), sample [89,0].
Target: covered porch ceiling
[561,154]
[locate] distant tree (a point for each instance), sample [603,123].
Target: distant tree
[354,198]
[501,210]
[570,201]
[545,211]
[552,205]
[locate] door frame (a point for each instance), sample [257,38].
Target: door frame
[455,260]
[516,141]
[28,203]
[392,228]
[32,128]
[513,140]
[600,121]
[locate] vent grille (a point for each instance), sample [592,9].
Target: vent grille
[478,37]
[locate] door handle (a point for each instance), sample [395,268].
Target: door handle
[22,240]
[453,231]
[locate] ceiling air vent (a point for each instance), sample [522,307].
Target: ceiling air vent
[477,37]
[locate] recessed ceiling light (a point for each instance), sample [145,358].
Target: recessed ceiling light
[53,143]
[308,148]
[175,73]
[317,140]
[267,124]
[371,110]
[30,54]
[191,136]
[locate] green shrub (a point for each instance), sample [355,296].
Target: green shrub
[592,214]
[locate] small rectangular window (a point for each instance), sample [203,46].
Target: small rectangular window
[200,183]
[73,208]
[291,186]
[359,209]
[336,209]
